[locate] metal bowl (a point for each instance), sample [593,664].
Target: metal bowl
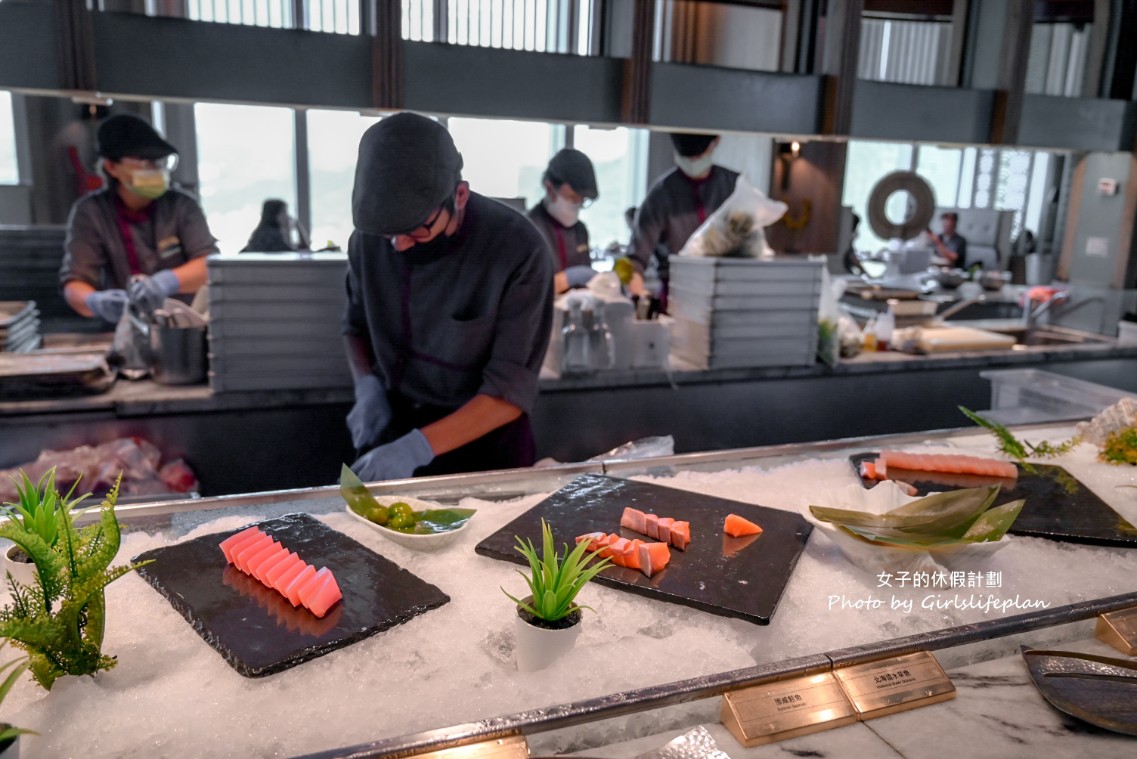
[994,280]
[949,279]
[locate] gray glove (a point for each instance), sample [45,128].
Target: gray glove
[108,305]
[579,276]
[371,413]
[395,460]
[150,293]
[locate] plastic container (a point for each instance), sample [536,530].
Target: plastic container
[885,326]
[1127,333]
[1023,396]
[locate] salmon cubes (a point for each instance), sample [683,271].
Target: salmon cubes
[259,555]
[664,529]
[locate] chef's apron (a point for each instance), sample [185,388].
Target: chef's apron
[507,447]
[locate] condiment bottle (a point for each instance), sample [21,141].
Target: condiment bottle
[884,327]
[577,358]
[869,333]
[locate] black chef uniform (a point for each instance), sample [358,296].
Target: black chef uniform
[569,244]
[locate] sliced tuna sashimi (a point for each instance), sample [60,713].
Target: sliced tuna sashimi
[937,462]
[241,557]
[737,526]
[681,535]
[237,539]
[269,563]
[320,592]
[310,584]
[634,520]
[288,562]
[253,563]
[292,592]
[286,577]
[654,558]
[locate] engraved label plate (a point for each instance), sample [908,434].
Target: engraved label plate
[895,684]
[513,747]
[787,709]
[1119,629]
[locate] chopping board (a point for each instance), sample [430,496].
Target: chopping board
[256,629]
[1058,506]
[732,577]
[943,339]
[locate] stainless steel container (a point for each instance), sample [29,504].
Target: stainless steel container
[177,354]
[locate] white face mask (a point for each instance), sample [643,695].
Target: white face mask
[563,210]
[695,166]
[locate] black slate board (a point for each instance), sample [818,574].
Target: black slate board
[1058,506]
[732,577]
[256,629]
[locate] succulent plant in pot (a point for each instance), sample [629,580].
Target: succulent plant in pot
[548,619]
[35,513]
[59,618]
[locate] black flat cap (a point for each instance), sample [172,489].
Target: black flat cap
[690,145]
[573,168]
[407,166]
[125,135]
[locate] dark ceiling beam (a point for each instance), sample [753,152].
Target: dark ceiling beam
[75,46]
[842,44]
[910,10]
[1119,67]
[635,99]
[387,84]
[995,58]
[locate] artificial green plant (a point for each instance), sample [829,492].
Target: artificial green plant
[59,621]
[554,581]
[17,667]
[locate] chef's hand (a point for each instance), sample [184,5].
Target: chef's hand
[395,460]
[150,293]
[371,413]
[108,305]
[579,276]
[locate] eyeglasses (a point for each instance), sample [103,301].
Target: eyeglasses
[169,162]
[425,231]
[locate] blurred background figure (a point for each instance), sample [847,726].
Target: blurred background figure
[274,232]
[570,185]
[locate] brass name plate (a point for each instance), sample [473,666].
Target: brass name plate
[895,684]
[512,747]
[1119,629]
[787,709]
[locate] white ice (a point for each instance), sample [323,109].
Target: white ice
[173,695]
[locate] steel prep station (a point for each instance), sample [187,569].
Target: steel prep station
[401,691]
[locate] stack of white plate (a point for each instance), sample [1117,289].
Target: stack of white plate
[736,312]
[19,326]
[274,321]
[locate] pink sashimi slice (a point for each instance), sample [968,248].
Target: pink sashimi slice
[651,529]
[594,539]
[310,584]
[241,557]
[681,535]
[287,576]
[321,592]
[654,557]
[270,563]
[665,529]
[287,562]
[292,592]
[633,519]
[254,561]
[236,539]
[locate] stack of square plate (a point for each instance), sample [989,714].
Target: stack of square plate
[19,326]
[742,312]
[274,321]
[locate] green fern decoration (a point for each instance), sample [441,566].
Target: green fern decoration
[60,620]
[1017,449]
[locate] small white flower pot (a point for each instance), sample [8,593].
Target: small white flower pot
[538,647]
[23,571]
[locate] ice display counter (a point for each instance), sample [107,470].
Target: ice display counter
[641,666]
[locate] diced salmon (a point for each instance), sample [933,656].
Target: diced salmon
[618,551]
[269,563]
[288,562]
[324,595]
[737,526]
[237,539]
[651,529]
[665,529]
[937,462]
[880,468]
[654,558]
[241,557]
[681,535]
[292,592]
[594,538]
[287,576]
[634,520]
[868,470]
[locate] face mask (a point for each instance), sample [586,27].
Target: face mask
[563,210]
[149,183]
[694,167]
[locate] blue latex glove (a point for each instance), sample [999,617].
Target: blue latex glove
[371,413]
[579,276]
[108,305]
[150,293]
[395,460]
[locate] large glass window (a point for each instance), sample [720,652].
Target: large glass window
[866,164]
[245,156]
[505,159]
[9,173]
[618,158]
[333,147]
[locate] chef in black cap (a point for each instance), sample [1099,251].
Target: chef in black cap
[449,308]
[570,185]
[677,204]
[137,239]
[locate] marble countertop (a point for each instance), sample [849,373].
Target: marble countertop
[997,714]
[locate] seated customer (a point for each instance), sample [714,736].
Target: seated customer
[570,183]
[138,234]
[948,244]
[274,232]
